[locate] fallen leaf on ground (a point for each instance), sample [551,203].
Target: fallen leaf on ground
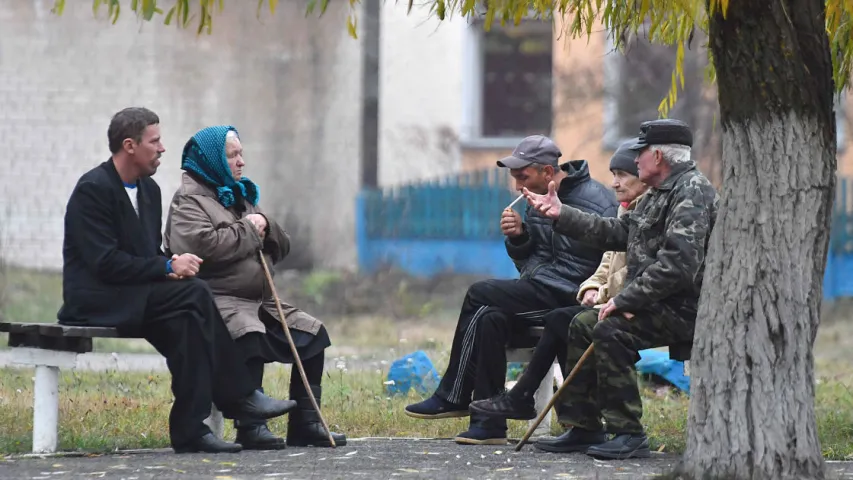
[504,469]
[352,453]
[662,447]
[408,470]
[228,464]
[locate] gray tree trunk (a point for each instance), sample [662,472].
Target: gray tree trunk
[752,393]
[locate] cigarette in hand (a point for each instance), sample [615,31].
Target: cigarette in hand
[514,202]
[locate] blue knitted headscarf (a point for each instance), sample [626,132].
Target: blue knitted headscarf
[204,155]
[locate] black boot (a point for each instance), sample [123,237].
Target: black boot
[575,440]
[256,436]
[304,427]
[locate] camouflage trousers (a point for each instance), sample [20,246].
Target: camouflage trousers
[606,384]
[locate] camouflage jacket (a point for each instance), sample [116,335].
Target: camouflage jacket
[666,239]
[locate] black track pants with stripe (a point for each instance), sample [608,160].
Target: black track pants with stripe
[492,313]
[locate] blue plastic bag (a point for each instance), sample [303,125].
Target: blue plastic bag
[414,370]
[658,363]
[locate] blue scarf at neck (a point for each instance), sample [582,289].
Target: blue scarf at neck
[204,155]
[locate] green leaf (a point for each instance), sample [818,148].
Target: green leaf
[58,7]
[169,15]
[148,8]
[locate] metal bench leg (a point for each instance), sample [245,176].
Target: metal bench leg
[216,422]
[45,409]
[543,394]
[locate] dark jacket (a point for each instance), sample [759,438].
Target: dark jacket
[666,239]
[555,260]
[110,255]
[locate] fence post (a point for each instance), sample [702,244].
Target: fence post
[362,247]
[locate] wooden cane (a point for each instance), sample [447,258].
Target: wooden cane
[296,359]
[553,400]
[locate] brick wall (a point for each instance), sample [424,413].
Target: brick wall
[290,84]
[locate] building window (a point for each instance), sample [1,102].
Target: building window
[635,82]
[509,76]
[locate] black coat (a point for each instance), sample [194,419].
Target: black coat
[110,255]
[555,260]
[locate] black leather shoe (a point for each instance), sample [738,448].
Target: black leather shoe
[258,406]
[575,440]
[258,437]
[208,443]
[621,447]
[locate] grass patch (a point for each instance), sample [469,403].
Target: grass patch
[105,411]
[32,296]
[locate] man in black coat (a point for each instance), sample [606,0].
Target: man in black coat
[551,268]
[115,274]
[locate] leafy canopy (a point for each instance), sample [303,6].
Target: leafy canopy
[667,22]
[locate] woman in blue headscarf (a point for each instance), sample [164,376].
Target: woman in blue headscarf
[215,215]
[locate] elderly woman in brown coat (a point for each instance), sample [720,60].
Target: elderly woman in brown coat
[215,214]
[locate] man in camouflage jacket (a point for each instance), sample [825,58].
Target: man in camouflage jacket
[666,240]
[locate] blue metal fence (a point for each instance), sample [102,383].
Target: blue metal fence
[451,224]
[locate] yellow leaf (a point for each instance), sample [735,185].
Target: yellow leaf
[351,27]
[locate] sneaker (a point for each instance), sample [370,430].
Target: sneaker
[505,406]
[435,407]
[481,436]
[621,447]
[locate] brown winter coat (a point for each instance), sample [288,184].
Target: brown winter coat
[228,244]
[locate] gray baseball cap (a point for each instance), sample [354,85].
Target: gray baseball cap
[533,149]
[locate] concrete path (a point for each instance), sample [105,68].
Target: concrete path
[361,458]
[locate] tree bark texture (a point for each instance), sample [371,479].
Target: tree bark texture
[752,395]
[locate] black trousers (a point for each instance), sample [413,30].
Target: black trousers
[182,322]
[493,311]
[553,344]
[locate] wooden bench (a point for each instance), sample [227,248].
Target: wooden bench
[48,348]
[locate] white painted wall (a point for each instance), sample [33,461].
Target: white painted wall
[421,88]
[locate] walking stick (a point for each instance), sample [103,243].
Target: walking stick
[293,348]
[554,398]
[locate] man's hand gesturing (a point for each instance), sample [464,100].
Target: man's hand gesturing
[548,204]
[185,265]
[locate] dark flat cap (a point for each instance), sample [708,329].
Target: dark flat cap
[662,132]
[533,149]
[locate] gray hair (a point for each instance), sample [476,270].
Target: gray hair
[673,154]
[231,134]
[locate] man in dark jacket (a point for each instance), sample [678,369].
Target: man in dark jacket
[666,240]
[115,274]
[551,269]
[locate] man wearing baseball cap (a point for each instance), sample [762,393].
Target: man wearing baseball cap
[551,269]
[665,239]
